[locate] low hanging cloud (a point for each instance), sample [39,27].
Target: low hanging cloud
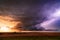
[30,13]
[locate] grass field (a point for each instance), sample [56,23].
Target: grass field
[31,38]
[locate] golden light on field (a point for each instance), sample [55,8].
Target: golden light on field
[7,24]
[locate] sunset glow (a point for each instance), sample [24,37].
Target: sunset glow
[6,25]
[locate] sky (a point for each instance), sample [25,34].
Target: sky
[34,14]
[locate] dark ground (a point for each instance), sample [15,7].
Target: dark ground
[32,38]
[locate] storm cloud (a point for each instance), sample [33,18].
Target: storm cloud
[29,12]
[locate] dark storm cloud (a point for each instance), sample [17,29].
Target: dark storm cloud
[25,10]
[30,12]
